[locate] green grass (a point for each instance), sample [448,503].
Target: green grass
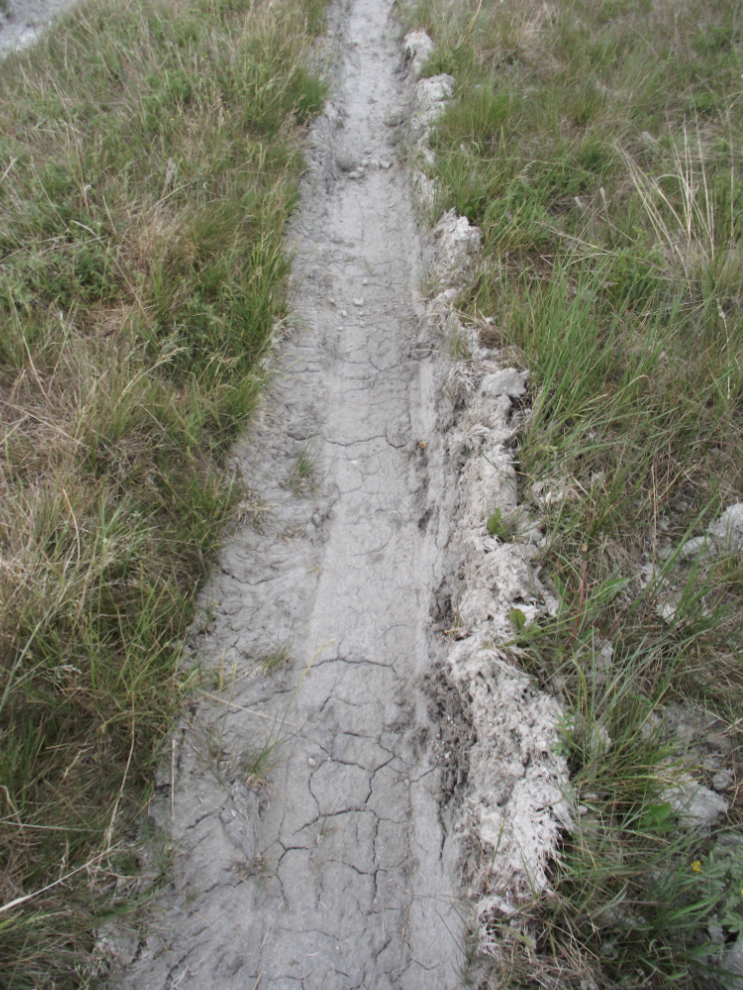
[302,478]
[599,147]
[149,155]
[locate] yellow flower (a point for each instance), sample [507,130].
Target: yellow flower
[697,866]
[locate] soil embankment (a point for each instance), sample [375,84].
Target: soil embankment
[334,873]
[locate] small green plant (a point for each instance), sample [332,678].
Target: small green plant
[517,618]
[502,526]
[256,760]
[459,348]
[303,475]
[276,658]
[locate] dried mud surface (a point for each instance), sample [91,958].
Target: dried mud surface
[337,872]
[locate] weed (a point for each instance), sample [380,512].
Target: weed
[303,475]
[504,527]
[459,348]
[255,760]
[276,658]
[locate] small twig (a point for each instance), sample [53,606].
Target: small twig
[11,805]
[248,711]
[12,163]
[110,829]
[45,828]
[42,890]
[581,599]
[471,28]
[33,367]
[172,779]
[74,523]
[30,414]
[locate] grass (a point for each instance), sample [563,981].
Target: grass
[149,155]
[598,147]
[275,659]
[302,478]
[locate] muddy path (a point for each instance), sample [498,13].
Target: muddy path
[334,873]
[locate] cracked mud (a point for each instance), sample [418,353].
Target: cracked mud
[336,873]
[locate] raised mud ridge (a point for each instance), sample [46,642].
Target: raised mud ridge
[336,873]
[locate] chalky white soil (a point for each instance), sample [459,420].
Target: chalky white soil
[23,20]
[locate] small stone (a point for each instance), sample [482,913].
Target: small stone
[364,281]
[728,530]
[692,548]
[418,48]
[344,312]
[697,806]
[720,742]
[385,164]
[716,934]
[346,162]
[722,780]
[358,302]
[311,762]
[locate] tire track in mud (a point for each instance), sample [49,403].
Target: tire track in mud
[337,873]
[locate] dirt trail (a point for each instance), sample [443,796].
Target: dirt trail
[337,875]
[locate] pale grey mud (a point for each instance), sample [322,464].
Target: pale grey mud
[322,863]
[22,21]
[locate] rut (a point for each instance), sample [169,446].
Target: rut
[335,872]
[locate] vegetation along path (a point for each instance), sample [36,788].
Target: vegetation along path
[316,620]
